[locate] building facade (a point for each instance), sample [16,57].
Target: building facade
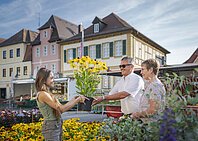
[45,50]
[15,56]
[108,40]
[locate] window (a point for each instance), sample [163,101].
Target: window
[11,70]
[105,50]
[45,34]
[25,70]
[53,68]
[105,81]
[153,54]
[4,72]
[37,52]
[70,54]
[148,52]
[143,51]
[18,52]
[45,51]
[11,53]
[96,28]
[53,51]
[92,52]
[18,71]
[4,54]
[118,48]
[79,52]
[138,48]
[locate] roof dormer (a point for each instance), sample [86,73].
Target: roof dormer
[98,25]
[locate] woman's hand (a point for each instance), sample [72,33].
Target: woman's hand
[81,98]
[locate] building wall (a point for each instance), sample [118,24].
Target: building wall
[110,61]
[49,58]
[136,48]
[14,63]
[143,51]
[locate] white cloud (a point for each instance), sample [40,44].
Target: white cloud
[170,23]
[181,54]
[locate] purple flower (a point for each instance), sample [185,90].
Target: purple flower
[167,130]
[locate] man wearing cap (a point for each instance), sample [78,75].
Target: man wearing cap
[128,89]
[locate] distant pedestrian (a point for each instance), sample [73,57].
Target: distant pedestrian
[50,107]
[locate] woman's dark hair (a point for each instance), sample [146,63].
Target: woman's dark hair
[41,79]
[152,63]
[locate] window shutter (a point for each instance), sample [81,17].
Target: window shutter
[86,51]
[65,59]
[74,53]
[98,51]
[111,49]
[124,47]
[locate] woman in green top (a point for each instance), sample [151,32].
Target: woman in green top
[50,107]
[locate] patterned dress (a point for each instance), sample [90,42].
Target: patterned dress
[153,91]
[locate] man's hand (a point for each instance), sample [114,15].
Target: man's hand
[135,115]
[97,100]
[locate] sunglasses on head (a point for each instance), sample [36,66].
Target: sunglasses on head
[123,66]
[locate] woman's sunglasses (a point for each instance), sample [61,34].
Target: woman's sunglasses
[123,66]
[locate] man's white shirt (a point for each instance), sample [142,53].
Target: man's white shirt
[133,84]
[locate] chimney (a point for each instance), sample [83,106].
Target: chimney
[80,28]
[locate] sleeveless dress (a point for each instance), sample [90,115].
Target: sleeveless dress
[52,125]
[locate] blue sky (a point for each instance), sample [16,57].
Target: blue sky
[171,23]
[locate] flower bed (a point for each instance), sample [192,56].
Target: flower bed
[11,117]
[72,131]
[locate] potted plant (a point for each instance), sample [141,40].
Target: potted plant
[86,72]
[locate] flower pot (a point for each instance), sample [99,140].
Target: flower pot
[86,106]
[114,111]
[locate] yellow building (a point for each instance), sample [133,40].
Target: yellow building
[108,40]
[15,62]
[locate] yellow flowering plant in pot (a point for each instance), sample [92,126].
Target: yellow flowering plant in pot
[86,73]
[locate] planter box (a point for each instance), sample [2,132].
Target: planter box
[113,111]
[193,107]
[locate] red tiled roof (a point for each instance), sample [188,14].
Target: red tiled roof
[23,36]
[193,57]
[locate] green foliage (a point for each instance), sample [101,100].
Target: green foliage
[128,130]
[86,72]
[183,121]
[86,82]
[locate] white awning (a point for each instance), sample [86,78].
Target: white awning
[23,81]
[31,81]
